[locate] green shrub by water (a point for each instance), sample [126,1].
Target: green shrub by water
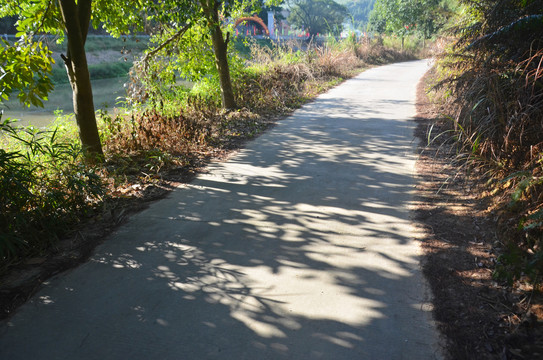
[101,43]
[97,44]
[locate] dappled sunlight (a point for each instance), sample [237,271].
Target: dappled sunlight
[298,247]
[315,232]
[311,246]
[118,262]
[317,296]
[240,173]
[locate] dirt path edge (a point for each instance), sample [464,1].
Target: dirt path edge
[479,317]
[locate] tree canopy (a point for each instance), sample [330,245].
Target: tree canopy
[70,20]
[359,11]
[318,16]
[24,70]
[421,17]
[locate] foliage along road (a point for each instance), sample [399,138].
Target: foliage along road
[300,246]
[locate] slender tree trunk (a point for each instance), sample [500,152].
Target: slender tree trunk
[220,49]
[76,21]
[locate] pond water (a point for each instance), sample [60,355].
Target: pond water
[107,93]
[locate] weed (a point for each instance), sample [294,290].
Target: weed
[44,185]
[493,76]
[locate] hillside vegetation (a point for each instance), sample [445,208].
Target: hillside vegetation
[492,89]
[483,251]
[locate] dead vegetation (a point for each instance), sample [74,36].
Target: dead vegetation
[491,91]
[149,150]
[481,258]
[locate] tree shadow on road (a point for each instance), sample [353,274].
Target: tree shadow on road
[298,248]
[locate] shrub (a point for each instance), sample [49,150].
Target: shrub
[495,97]
[44,185]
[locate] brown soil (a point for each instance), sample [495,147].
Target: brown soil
[479,317]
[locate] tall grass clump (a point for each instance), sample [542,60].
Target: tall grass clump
[286,74]
[384,50]
[493,76]
[44,187]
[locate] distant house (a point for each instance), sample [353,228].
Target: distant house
[253,26]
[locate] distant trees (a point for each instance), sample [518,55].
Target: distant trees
[402,17]
[318,16]
[359,11]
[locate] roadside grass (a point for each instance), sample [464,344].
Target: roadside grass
[45,189]
[411,43]
[48,190]
[490,87]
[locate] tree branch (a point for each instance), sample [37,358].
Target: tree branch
[166,43]
[68,63]
[44,16]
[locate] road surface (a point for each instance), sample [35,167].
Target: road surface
[298,247]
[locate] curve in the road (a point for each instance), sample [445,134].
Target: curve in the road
[298,247]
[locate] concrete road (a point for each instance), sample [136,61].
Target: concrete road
[298,247]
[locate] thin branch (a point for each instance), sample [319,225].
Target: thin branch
[166,43]
[68,63]
[508,28]
[44,16]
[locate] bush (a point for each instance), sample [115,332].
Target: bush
[44,185]
[494,82]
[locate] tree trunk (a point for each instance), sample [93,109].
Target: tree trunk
[76,21]
[220,49]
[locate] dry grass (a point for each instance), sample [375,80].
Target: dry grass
[492,90]
[145,147]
